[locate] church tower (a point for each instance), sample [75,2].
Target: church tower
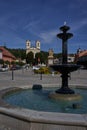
[38,45]
[28,46]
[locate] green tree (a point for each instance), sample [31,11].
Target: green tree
[30,58]
[7,62]
[1,61]
[45,54]
[39,58]
[23,54]
[18,53]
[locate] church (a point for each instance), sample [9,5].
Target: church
[34,49]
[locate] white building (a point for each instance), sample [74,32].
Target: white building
[30,48]
[70,59]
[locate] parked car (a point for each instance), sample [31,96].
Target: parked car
[15,67]
[4,68]
[36,67]
[26,66]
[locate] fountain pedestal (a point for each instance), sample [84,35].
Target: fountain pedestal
[65,97]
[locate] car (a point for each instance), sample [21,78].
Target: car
[15,67]
[26,66]
[36,67]
[4,68]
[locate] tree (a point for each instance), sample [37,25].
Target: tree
[39,58]
[45,54]
[1,61]
[18,53]
[7,62]
[30,58]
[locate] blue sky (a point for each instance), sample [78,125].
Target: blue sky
[21,20]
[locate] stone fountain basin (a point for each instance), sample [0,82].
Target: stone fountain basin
[15,118]
[65,68]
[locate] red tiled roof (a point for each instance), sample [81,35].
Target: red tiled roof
[83,53]
[7,53]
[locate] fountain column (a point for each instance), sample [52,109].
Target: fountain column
[64,91]
[64,36]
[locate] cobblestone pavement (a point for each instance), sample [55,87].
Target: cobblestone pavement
[25,78]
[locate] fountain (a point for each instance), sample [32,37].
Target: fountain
[65,92]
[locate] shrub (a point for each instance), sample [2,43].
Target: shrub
[43,70]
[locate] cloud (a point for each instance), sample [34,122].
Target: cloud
[31,24]
[33,27]
[37,28]
[79,24]
[49,36]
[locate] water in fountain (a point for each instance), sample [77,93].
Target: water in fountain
[38,99]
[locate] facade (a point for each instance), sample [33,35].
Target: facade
[81,57]
[30,48]
[81,54]
[70,59]
[5,55]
